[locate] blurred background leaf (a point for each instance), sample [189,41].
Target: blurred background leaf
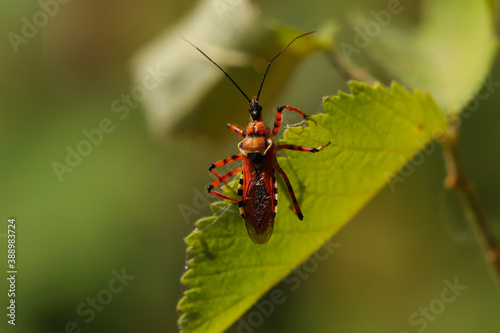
[242,41]
[448,54]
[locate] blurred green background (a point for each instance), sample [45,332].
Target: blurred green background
[119,209]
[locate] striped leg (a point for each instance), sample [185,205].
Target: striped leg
[236,129]
[296,209]
[301,148]
[221,163]
[220,180]
[279,116]
[275,186]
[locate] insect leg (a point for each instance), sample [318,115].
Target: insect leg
[296,209]
[224,162]
[302,148]
[279,116]
[220,180]
[221,163]
[236,129]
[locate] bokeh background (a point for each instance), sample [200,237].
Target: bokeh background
[119,209]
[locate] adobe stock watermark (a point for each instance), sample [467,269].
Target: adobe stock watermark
[121,108]
[265,307]
[372,29]
[201,201]
[425,150]
[426,315]
[88,309]
[224,7]
[30,27]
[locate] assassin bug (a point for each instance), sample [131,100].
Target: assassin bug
[257,189]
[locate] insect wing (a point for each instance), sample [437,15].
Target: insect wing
[259,197]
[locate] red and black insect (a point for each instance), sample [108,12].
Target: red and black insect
[257,190]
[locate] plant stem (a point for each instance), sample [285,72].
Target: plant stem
[458,180]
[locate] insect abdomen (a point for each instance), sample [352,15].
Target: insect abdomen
[259,211]
[257,196]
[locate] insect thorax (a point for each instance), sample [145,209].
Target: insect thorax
[257,139]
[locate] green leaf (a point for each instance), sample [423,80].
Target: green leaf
[373,133]
[449,54]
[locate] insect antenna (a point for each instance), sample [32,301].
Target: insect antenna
[276,56]
[223,71]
